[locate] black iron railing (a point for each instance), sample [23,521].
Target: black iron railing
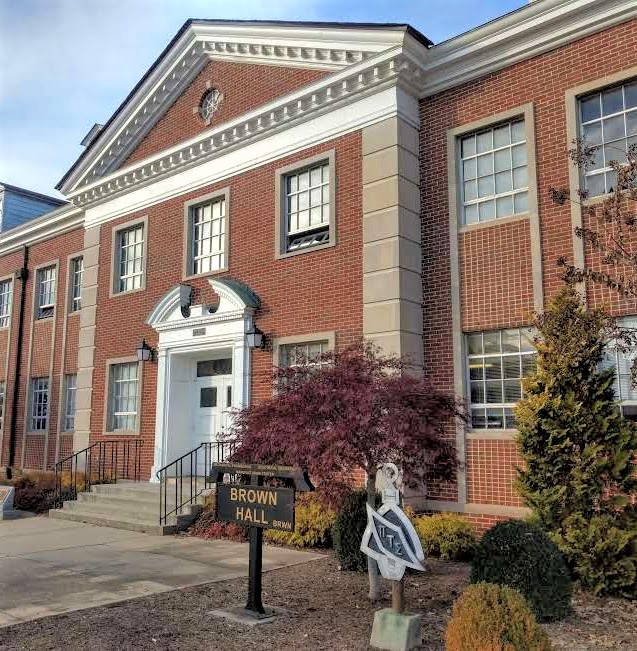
[183,480]
[103,462]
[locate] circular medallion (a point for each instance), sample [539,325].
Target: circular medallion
[209,103]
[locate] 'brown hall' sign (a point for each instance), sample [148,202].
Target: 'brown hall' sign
[257,506]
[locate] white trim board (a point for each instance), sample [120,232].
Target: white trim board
[536,28]
[346,119]
[522,34]
[56,222]
[299,47]
[388,69]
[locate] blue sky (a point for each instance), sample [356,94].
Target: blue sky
[66,64]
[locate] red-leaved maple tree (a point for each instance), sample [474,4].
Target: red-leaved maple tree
[355,410]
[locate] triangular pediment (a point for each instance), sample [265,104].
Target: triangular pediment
[322,47]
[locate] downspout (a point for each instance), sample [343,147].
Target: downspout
[22,275]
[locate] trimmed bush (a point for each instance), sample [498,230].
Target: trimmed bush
[34,499]
[347,532]
[602,552]
[522,556]
[490,617]
[207,526]
[447,535]
[312,524]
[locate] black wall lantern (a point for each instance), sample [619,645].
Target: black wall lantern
[144,352]
[255,338]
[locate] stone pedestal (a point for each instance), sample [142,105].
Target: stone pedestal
[395,631]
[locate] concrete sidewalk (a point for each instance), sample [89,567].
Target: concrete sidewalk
[51,566]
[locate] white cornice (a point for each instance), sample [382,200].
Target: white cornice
[56,222]
[539,27]
[299,47]
[340,120]
[389,69]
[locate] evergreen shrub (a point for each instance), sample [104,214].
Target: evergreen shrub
[447,535]
[312,524]
[490,617]
[602,552]
[522,556]
[348,529]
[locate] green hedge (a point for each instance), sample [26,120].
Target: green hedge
[523,557]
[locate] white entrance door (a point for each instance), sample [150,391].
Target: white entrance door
[212,401]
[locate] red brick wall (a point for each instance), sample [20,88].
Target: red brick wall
[4,344]
[495,276]
[495,261]
[597,294]
[42,253]
[485,485]
[312,292]
[245,87]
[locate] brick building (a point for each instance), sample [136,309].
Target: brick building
[315,183]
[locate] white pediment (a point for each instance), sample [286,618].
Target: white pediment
[327,48]
[236,301]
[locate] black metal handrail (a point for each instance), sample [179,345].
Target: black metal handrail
[190,479]
[103,462]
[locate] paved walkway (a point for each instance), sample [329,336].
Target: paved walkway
[50,566]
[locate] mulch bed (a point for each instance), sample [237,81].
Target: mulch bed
[328,609]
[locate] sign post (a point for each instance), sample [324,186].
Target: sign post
[391,540]
[259,507]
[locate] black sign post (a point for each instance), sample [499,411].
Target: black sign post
[259,507]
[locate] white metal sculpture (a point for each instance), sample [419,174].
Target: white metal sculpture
[390,538]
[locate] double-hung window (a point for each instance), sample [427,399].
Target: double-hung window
[39,404]
[70,391]
[622,362]
[45,292]
[123,397]
[303,354]
[130,258]
[207,235]
[6,287]
[493,172]
[76,271]
[608,122]
[496,363]
[305,207]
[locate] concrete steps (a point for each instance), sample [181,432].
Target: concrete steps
[128,505]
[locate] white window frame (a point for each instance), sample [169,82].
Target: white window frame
[46,279]
[119,281]
[221,197]
[76,271]
[6,299]
[505,406]
[606,151]
[469,176]
[70,394]
[319,235]
[39,404]
[112,395]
